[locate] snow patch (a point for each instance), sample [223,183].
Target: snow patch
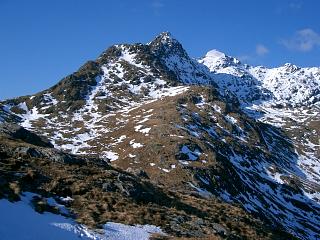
[135,145]
[118,231]
[30,116]
[112,156]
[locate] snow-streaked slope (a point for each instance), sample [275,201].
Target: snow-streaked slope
[261,171]
[286,97]
[289,84]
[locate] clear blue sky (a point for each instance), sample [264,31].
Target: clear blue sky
[41,41]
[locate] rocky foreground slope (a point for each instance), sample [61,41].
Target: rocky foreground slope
[201,148]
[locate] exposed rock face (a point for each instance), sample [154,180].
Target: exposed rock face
[17,132]
[182,130]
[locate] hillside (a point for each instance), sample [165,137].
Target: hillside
[145,134]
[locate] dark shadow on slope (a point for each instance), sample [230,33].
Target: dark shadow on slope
[248,172]
[248,180]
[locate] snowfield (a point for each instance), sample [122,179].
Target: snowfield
[19,221]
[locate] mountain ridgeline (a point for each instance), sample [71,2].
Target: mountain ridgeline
[203,148]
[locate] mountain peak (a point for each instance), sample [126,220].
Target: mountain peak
[214,53]
[164,38]
[291,67]
[166,43]
[216,59]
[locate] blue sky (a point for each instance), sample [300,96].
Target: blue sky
[41,41]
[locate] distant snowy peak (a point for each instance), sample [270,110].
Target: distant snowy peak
[285,85]
[215,59]
[289,67]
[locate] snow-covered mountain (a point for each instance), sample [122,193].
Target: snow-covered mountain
[287,85]
[212,127]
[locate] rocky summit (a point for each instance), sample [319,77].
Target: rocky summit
[147,136]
